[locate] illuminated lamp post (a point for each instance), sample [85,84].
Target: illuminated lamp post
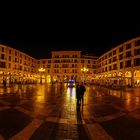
[84,71]
[41,70]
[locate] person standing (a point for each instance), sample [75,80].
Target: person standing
[82,92]
[78,97]
[4,82]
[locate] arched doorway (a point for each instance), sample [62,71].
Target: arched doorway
[137,78]
[128,76]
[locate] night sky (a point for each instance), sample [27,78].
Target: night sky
[93,31]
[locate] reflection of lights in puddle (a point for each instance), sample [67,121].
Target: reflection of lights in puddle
[128,97]
[40,94]
[71,93]
[1,91]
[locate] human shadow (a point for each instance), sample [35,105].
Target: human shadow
[79,116]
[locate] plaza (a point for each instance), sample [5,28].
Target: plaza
[48,111]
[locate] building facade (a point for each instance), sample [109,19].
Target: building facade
[16,66]
[68,65]
[119,66]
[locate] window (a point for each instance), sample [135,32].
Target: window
[114,52]
[109,68]
[9,58]
[56,56]
[9,65]
[2,56]
[136,51]
[128,54]
[9,51]
[110,54]
[16,60]
[137,62]
[74,56]
[128,63]
[109,61]
[114,66]
[120,56]
[56,61]
[114,59]
[20,68]
[137,43]
[128,46]
[121,49]
[55,71]
[2,65]
[2,49]
[102,58]
[105,62]
[121,65]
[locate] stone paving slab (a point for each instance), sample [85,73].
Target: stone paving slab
[123,127]
[28,131]
[12,121]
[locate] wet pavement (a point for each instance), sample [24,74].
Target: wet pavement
[48,112]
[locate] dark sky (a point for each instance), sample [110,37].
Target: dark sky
[91,29]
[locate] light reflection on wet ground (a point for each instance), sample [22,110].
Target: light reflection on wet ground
[60,102]
[43,93]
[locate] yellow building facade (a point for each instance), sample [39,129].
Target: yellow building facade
[120,65]
[16,66]
[67,65]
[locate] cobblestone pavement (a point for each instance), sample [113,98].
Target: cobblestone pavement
[48,112]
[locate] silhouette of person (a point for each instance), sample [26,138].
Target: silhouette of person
[82,92]
[78,97]
[4,82]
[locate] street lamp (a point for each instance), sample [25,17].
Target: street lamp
[84,71]
[41,70]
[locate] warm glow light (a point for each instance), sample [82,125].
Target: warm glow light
[41,69]
[84,69]
[71,93]
[40,95]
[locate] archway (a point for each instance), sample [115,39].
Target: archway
[120,74]
[114,74]
[128,76]
[137,78]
